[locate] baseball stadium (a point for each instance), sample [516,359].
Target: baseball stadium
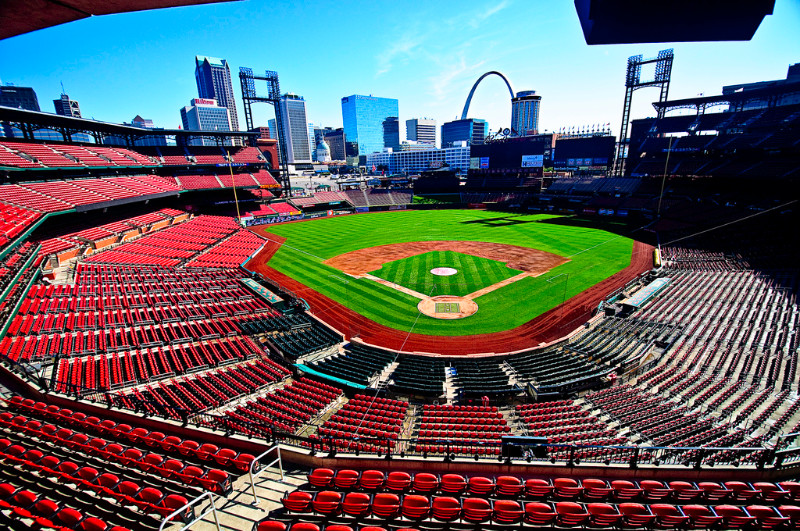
[186,340]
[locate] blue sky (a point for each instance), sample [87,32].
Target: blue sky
[427,55]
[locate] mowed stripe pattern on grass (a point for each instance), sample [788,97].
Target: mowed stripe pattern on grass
[473,274]
[594,256]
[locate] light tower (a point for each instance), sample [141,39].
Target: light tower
[663,72]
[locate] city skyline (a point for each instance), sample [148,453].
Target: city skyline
[428,66]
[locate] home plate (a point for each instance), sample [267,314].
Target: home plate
[443,271]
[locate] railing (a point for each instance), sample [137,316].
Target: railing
[191,505]
[257,461]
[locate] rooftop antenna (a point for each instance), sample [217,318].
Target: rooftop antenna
[62,88]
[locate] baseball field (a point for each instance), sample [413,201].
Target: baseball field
[381,265]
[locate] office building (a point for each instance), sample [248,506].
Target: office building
[472,131]
[295,135]
[525,113]
[263,132]
[19,98]
[422,157]
[214,82]
[67,107]
[205,115]
[363,118]
[421,130]
[336,143]
[391,132]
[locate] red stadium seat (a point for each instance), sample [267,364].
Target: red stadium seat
[297,502]
[445,509]
[425,482]
[346,479]
[385,505]
[271,525]
[625,490]
[509,486]
[538,488]
[476,510]
[768,517]
[668,516]
[507,512]
[701,516]
[635,515]
[453,484]
[327,502]
[539,514]
[603,515]
[372,480]
[415,507]
[480,486]
[356,504]
[398,481]
[734,517]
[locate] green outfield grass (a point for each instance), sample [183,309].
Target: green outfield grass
[473,274]
[594,256]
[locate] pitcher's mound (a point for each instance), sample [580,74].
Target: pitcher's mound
[447,307]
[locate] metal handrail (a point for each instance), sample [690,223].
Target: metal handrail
[257,460]
[192,503]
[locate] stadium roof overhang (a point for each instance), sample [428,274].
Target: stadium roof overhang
[24,16]
[767,95]
[29,121]
[634,21]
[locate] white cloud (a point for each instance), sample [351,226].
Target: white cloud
[403,48]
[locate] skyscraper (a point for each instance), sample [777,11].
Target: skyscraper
[363,118]
[525,113]
[336,143]
[205,115]
[214,82]
[391,133]
[421,130]
[293,112]
[67,107]
[19,98]
[471,130]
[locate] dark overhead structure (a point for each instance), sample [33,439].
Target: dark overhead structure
[637,21]
[30,121]
[24,16]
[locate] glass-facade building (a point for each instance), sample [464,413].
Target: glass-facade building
[472,130]
[213,78]
[391,132]
[19,98]
[363,117]
[205,115]
[525,113]
[296,128]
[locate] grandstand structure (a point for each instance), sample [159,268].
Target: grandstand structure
[756,136]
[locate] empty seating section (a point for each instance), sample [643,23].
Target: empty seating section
[14,221]
[198,182]
[319,198]
[108,469]
[230,252]
[239,179]
[179,398]
[370,499]
[171,246]
[465,430]
[359,364]
[418,375]
[476,378]
[14,266]
[366,423]
[284,209]
[565,422]
[554,370]
[14,158]
[208,154]
[43,153]
[54,196]
[248,154]
[378,197]
[295,335]
[265,178]
[21,196]
[284,409]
